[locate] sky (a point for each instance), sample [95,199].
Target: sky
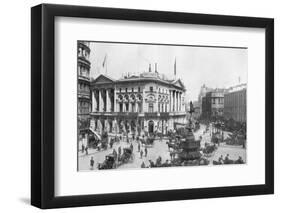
[215,67]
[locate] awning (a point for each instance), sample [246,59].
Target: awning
[95,133]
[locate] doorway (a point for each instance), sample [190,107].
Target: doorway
[150,126]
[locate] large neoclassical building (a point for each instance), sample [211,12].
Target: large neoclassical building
[136,104]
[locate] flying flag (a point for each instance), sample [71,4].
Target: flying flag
[104,63]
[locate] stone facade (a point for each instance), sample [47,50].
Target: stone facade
[235,103]
[84,98]
[213,104]
[137,104]
[203,90]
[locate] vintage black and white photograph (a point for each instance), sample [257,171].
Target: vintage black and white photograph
[160,105]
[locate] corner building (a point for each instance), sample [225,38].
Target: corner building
[84,97]
[235,103]
[137,104]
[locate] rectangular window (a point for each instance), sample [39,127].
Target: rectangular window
[150,108]
[151,89]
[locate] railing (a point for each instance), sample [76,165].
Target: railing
[151,114]
[83,94]
[81,77]
[82,58]
[164,114]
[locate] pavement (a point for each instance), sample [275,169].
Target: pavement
[159,148]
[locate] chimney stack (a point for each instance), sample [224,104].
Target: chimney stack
[156,67]
[149,68]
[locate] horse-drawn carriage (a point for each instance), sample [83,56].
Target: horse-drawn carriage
[236,138]
[221,161]
[172,145]
[217,138]
[209,148]
[127,155]
[109,162]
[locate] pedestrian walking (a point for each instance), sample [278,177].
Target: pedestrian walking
[83,148]
[114,152]
[226,159]
[139,147]
[92,162]
[119,150]
[151,164]
[141,154]
[86,150]
[142,165]
[131,147]
[111,143]
[171,155]
[145,152]
[221,159]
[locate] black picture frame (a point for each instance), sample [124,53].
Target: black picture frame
[43,105]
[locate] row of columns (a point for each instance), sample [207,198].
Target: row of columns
[175,101]
[101,101]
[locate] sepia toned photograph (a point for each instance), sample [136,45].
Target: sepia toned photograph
[145,106]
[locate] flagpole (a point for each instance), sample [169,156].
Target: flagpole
[106,64]
[175,68]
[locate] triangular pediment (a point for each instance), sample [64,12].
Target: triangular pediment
[103,79]
[178,83]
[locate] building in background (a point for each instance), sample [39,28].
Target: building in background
[84,97]
[203,90]
[197,110]
[213,104]
[135,104]
[235,103]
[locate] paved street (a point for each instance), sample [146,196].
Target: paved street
[159,148]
